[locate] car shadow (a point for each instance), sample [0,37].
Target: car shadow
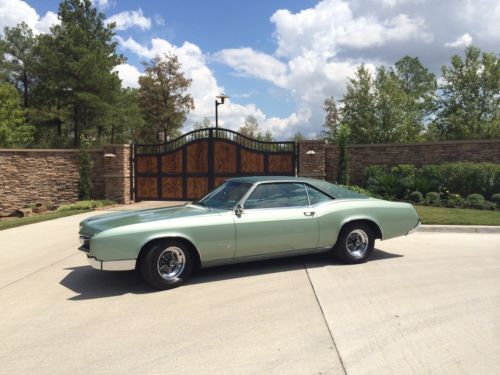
[89,283]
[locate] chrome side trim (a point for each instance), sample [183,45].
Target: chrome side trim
[115,265]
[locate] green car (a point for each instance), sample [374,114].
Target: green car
[244,219]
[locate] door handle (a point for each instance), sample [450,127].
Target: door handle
[309,213]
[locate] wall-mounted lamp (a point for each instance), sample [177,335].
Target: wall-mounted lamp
[109,155]
[311,152]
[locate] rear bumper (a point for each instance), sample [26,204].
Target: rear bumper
[414,228]
[115,265]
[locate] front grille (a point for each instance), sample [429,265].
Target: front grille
[85,244]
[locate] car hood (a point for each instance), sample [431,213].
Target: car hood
[96,224]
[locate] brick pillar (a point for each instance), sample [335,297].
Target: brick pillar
[312,159]
[117,173]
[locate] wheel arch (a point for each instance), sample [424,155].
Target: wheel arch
[190,245]
[375,227]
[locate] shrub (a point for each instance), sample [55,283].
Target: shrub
[433,199]
[487,205]
[387,185]
[86,205]
[455,201]
[374,171]
[495,198]
[404,170]
[475,201]
[416,197]
[360,190]
[420,183]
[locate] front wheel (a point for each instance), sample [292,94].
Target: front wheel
[355,243]
[167,264]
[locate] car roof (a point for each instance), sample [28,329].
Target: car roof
[333,190]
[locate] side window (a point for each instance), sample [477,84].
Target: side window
[316,196]
[277,195]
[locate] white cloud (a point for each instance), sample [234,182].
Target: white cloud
[254,64]
[461,41]
[102,4]
[126,20]
[129,75]
[331,24]
[13,12]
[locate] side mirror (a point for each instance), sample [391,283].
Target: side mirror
[239,209]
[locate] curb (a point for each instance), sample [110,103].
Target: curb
[459,228]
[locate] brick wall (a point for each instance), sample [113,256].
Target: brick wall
[362,156]
[51,176]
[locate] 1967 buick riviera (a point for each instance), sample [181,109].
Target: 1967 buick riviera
[244,219]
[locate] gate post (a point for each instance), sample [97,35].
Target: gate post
[117,172]
[311,159]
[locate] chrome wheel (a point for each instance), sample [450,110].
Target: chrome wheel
[357,243]
[171,263]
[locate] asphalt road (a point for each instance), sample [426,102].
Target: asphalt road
[426,303]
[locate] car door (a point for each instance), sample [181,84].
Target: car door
[276,218]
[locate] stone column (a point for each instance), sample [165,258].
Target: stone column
[117,173]
[312,159]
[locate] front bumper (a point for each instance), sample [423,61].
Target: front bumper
[114,265]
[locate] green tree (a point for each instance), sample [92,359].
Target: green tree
[76,67]
[343,162]
[13,130]
[418,87]
[297,137]
[125,118]
[163,97]
[251,129]
[18,47]
[469,103]
[389,115]
[206,123]
[358,111]
[331,122]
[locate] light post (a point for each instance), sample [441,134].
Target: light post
[222,98]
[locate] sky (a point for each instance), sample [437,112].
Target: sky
[278,60]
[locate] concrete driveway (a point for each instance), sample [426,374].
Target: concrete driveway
[426,303]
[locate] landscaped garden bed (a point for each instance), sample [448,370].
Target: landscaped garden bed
[43,214]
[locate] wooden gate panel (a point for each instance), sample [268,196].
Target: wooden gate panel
[197,187]
[147,187]
[224,157]
[252,162]
[147,164]
[172,163]
[197,157]
[280,163]
[172,188]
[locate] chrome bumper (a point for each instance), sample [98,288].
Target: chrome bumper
[115,265]
[414,228]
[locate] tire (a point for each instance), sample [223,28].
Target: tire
[167,264]
[355,243]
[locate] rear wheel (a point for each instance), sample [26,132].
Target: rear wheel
[167,264]
[355,243]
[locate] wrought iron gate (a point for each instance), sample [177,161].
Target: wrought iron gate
[190,166]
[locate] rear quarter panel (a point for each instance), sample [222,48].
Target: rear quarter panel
[393,218]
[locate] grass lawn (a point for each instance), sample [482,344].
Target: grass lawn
[457,216]
[17,222]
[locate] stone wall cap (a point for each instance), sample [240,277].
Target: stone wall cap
[47,150]
[472,141]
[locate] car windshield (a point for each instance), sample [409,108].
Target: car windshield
[225,196]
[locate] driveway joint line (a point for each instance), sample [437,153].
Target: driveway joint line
[36,271]
[324,318]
